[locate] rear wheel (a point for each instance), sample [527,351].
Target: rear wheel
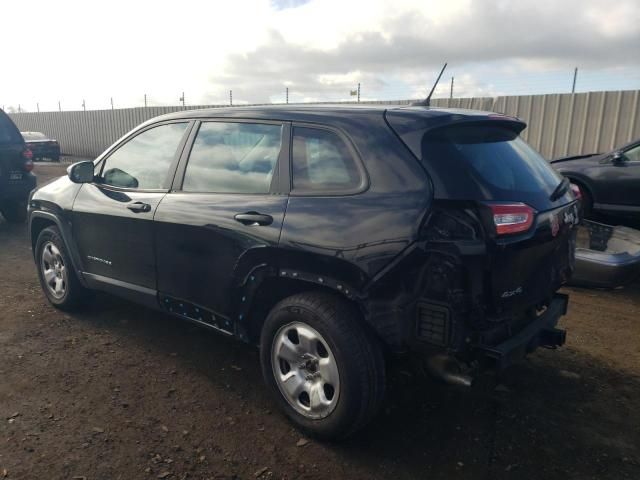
[325,369]
[55,271]
[14,211]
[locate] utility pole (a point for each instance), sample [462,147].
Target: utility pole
[84,105]
[231,98]
[59,107]
[575,75]
[145,100]
[451,92]
[358,92]
[19,109]
[111,103]
[287,94]
[181,99]
[38,106]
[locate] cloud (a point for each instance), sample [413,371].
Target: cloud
[320,49]
[539,34]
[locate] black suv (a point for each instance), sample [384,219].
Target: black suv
[16,179]
[329,236]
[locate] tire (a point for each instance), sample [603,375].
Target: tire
[341,375]
[55,272]
[14,211]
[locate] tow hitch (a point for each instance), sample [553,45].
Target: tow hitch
[552,337]
[542,332]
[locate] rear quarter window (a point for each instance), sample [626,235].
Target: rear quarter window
[322,162]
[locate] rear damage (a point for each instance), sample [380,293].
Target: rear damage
[480,287]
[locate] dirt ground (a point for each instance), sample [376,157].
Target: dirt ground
[121,392]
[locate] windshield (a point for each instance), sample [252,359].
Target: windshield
[34,136]
[487,162]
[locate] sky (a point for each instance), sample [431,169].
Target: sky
[69,52]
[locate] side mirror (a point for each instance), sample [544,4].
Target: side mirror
[617,157]
[81,172]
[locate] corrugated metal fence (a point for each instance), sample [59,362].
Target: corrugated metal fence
[558,124]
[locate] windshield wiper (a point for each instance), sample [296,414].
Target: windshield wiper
[560,190]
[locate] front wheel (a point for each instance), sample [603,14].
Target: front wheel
[55,271]
[325,368]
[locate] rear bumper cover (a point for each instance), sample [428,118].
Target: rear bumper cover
[605,270]
[17,190]
[541,332]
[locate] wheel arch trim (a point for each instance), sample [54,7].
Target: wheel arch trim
[66,238]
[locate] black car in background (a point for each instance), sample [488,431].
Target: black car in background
[16,179]
[42,146]
[608,182]
[330,236]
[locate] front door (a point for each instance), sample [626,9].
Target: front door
[113,216]
[618,181]
[224,216]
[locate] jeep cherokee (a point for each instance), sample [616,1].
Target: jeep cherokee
[330,236]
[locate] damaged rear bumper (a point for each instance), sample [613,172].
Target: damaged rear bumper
[541,332]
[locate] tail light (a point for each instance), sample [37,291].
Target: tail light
[510,218]
[27,154]
[576,191]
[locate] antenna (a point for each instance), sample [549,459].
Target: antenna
[427,101]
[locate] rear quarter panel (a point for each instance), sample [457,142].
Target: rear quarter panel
[353,237]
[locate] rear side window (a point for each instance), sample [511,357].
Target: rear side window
[233,158]
[322,162]
[9,134]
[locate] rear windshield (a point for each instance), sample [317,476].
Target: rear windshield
[487,162]
[34,136]
[9,134]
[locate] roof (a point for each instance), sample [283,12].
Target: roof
[318,112]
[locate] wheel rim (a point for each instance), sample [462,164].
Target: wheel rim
[54,271]
[305,370]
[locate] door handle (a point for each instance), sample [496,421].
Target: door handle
[254,218]
[139,207]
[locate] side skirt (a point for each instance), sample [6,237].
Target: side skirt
[150,298]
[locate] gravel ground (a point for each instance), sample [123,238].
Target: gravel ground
[121,392]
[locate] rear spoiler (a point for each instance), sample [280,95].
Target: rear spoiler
[412,123]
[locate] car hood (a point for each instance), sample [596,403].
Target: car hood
[578,161]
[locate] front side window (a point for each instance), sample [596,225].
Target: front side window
[322,162]
[233,158]
[633,154]
[143,162]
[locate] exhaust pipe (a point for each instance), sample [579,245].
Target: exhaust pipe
[445,368]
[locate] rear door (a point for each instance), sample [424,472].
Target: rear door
[223,216]
[618,183]
[113,216]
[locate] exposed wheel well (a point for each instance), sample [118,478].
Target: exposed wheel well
[274,290]
[37,225]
